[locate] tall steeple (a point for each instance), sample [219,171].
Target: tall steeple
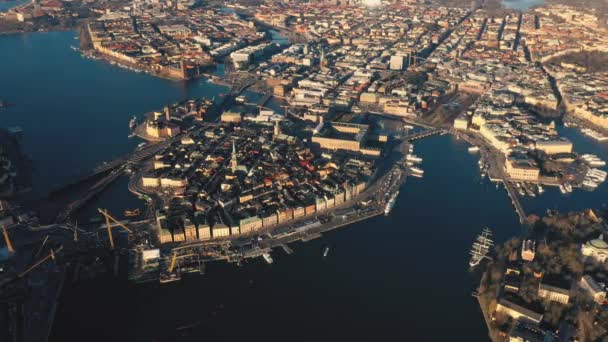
[277,130]
[322,61]
[233,162]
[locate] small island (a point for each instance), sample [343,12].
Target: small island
[550,283]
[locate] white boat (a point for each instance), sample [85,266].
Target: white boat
[416,170]
[391,203]
[413,158]
[417,175]
[268,258]
[473,149]
[590,184]
[325,251]
[562,189]
[594,134]
[596,163]
[132,123]
[540,189]
[408,126]
[241,99]
[481,247]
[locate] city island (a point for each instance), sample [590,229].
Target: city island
[317,131]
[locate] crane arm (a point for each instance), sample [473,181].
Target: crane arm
[173,259]
[108,216]
[7,239]
[51,255]
[110,237]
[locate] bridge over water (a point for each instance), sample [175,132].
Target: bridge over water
[424,134]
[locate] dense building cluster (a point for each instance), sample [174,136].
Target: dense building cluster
[360,54]
[172,41]
[227,180]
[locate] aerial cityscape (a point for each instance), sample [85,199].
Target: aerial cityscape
[334,170]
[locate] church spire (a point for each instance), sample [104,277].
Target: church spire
[277,130]
[233,162]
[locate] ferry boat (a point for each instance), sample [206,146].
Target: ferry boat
[481,247]
[562,189]
[473,149]
[132,213]
[325,251]
[391,203]
[267,257]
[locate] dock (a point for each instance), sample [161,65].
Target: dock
[310,237]
[286,248]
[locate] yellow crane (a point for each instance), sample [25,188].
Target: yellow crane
[7,239]
[108,217]
[51,255]
[173,259]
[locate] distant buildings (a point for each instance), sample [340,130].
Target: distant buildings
[528,250]
[347,136]
[595,290]
[522,169]
[596,250]
[554,146]
[397,62]
[554,293]
[517,311]
[158,127]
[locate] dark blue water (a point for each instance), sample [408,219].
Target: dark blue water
[521,5]
[401,277]
[75,111]
[7,5]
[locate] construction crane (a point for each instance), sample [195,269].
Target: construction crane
[7,239]
[108,217]
[173,259]
[42,246]
[51,255]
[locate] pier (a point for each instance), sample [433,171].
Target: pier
[515,201]
[287,250]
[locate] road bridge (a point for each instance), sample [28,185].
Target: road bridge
[424,134]
[515,201]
